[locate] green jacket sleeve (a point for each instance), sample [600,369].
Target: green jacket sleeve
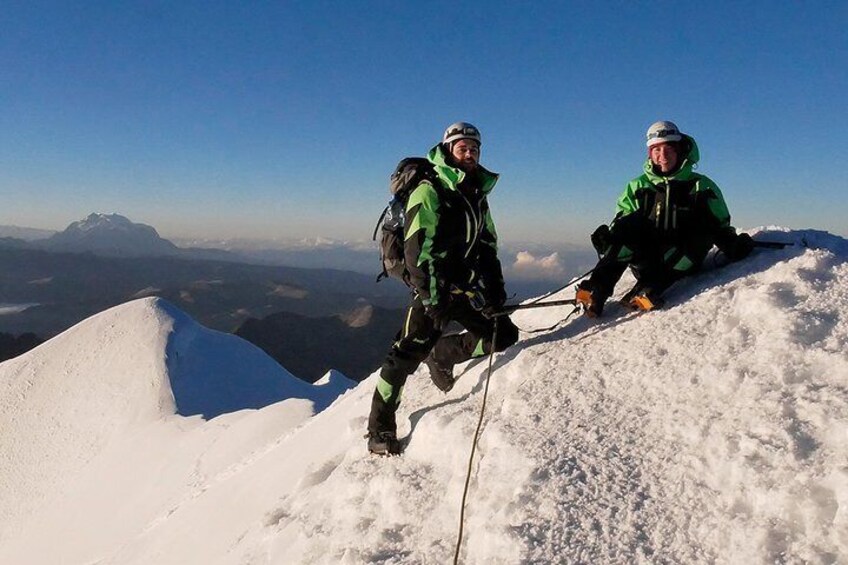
[627,202]
[717,205]
[422,219]
[718,213]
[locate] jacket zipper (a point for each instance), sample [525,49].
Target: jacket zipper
[658,212]
[470,239]
[668,211]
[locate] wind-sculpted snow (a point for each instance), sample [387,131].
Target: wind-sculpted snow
[212,373]
[97,383]
[712,431]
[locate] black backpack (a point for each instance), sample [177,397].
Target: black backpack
[409,173]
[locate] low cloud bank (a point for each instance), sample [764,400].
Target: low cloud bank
[528,265]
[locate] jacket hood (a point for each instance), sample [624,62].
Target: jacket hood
[452,176]
[685,171]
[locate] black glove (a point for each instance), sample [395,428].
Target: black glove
[601,239]
[439,312]
[496,297]
[740,247]
[490,311]
[476,299]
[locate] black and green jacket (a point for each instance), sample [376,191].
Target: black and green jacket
[449,238]
[681,205]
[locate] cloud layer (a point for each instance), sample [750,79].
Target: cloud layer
[528,265]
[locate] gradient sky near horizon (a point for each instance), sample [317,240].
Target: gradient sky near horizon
[284,119]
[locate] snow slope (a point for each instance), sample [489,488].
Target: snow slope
[106,390]
[712,431]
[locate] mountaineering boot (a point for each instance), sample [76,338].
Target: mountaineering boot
[643,297]
[645,302]
[383,443]
[637,289]
[441,375]
[593,305]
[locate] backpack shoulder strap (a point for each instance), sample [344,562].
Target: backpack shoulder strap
[379,223]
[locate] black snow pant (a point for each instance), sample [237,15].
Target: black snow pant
[657,259]
[418,337]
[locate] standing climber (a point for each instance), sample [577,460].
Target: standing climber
[450,251]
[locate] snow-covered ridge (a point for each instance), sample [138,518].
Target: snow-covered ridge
[712,431]
[66,401]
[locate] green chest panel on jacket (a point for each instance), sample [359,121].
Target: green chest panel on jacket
[674,205]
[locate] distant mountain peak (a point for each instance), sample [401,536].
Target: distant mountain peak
[104,221]
[111,235]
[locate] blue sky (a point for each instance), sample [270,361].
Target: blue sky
[284,119]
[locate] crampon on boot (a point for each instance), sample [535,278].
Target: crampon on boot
[642,298]
[593,305]
[644,303]
[383,443]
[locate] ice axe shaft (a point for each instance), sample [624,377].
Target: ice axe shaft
[510,308]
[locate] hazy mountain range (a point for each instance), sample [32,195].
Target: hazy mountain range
[110,235]
[26,234]
[51,283]
[114,235]
[530,268]
[52,280]
[106,235]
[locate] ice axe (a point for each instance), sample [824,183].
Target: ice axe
[507,309]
